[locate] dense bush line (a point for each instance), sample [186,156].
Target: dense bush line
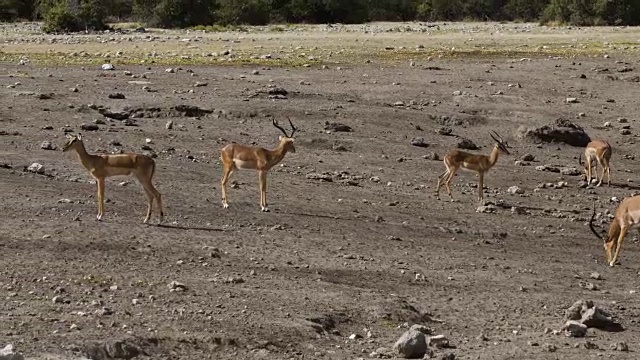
[69,15]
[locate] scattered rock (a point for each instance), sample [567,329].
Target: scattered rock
[572,100]
[467,144]
[431,156]
[7,353]
[570,171]
[489,209]
[419,142]
[277,91]
[169,125]
[549,347]
[108,67]
[120,349]
[89,127]
[515,190]
[589,315]
[116,96]
[527,157]
[176,286]
[48,145]
[337,127]
[317,176]
[36,168]
[620,346]
[423,329]
[562,131]
[595,275]
[411,345]
[574,328]
[444,130]
[438,341]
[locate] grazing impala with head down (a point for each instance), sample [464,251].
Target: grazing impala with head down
[236,156]
[103,166]
[478,163]
[627,217]
[596,152]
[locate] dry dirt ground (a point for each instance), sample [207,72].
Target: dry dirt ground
[365,253]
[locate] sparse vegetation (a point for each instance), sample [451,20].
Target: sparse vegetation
[91,14]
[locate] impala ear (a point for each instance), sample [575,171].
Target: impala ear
[79,136]
[280,137]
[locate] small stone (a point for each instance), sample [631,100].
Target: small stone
[595,275]
[108,67]
[620,346]
[47,145]
[438,341]
[74,89]
[431,156]
[255,72]
[411,345]
[36,168]
[355,336]
[444,130]
[528,157]
[489,209]
[574,328]
[625,132]
[176,286]
[515,190]
[572,100]
[549,347]
[89,127]
[169,125]
[170,70]
[57,300]
[419,142]
[119,96]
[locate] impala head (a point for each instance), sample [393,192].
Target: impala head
[500,143]
[72,141]
[287,139]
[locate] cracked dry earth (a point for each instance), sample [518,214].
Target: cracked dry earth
[356,242]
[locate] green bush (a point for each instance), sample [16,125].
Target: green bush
[58,16]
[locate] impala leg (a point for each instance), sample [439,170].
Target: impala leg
[481,188]
[608,173]
[588,161]
[228,170]
[441,177]
[447,184]
[618,245]
[149,206]
[100,182]
[262,177]
[602,171]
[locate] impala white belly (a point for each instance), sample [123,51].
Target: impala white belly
[242,164]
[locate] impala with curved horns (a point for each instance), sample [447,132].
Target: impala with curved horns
[478,163]
[237,156]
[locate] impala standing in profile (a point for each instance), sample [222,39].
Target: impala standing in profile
[102,166]
[236,156]
[478,163]
[596,152]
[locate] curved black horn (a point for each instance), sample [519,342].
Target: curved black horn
[293,128]
[593,217]
[275,123]
[493,137]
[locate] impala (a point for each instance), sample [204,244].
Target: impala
[600,151]
[103,166]
[237,156]
[478,163]
[627,217]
